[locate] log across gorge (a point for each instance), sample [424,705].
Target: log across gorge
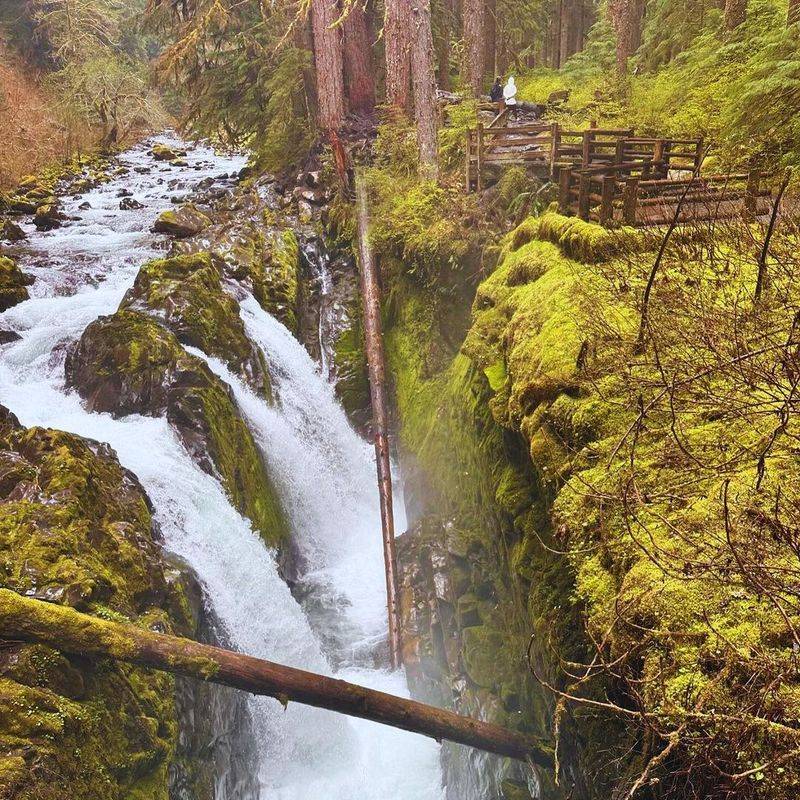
[80,634]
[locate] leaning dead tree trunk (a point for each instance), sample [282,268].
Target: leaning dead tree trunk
[370,295]
[69,631]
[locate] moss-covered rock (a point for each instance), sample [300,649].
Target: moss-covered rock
[186,293]
[129,363]
[75,529]
[13,283]
[163,152]
[188,220]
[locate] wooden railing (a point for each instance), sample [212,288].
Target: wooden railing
[498,144]
[550,147]
[625,194]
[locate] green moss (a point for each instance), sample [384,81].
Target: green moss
[186,292]
[586,241]
[13,283]
[274,269]
[70,727]
[129,363]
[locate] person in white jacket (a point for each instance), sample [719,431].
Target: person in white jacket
[510,95]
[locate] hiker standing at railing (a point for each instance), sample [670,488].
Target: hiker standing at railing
[510,96]
[496,93]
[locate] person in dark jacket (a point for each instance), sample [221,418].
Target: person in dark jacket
[496,92]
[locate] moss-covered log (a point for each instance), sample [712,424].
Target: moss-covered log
[81,634]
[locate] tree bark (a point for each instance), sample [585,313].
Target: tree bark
[793,17]
[735,13]
[625,20]
[474,45]
[69,631]
[426,110]
[397,46]
[359,68]
[328,63]
[490,37]
[373,341]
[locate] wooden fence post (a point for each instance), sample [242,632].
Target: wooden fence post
[698,157]
[555,146]
[564,182]
[584,186]
[586,153]
[660,166]
[751,192]
[608,188]
[619,151]
[630,199]
[479,180]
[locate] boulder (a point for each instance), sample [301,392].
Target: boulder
[186,221]
[11,232]
[162,152]
[48,217]
[130,204]
[13,283]
[7,336]
[186,293]
[129,363]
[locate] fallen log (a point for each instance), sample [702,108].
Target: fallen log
[79,634]
[373,342]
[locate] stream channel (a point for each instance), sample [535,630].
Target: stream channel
[334,620]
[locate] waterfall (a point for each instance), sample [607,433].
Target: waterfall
[335,620]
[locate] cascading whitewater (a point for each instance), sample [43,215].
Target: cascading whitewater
[324,471]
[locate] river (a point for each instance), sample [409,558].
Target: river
[334,620]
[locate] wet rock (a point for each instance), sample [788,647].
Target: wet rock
[13,283]
[15,204]
[186,293]
[11,232]
[124,193]
[84,537]
[182,162]
[85,206]
[142,170]
[130,363]
[130,204]
[162,152]
[9,336]
[186,221]
[48,217]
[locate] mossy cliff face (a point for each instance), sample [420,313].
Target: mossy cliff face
[129,363]
[186,293]
[75,529]
[642,539]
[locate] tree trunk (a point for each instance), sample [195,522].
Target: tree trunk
[735,13]
[328,63]
[397,45]
[426,110]
[625,20]
[82,635]
[359,68]
[565,30]
[490,37]
[793,17]
[474,45]
[442,47]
